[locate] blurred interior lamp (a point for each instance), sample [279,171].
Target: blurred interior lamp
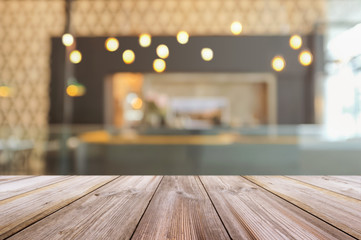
[236,28]
[72,90]
[159,65]
[75,90]
[162,51]
[5,91]
[295,42]
[137,103]
[145,40]
[207,54]
[305,58]
[128,56]
[75,56]
[182,37]
[278,63]
[111,44]
[67,39]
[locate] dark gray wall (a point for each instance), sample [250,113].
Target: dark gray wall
[231,54]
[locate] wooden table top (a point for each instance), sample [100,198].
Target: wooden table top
[180,207]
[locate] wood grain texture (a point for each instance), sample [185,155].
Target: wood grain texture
[22,210]
[13,188]
[356,179]
[110,212]
[9,178]
[338,185]
[340,211]
[250,212]
[180,209]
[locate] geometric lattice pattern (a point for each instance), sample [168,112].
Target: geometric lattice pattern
[199,17]
[27,25]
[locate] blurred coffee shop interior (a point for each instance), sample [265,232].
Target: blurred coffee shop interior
[180,87]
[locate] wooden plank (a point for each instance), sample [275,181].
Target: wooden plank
[340,211]
[13,188]
[111,212]
[250,212]
[180,209]
[356,179]
[9,178]
[338,185]
[22,210]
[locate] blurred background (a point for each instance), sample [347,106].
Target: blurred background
[180,87]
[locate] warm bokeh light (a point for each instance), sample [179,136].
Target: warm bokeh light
[162,51]
[72,90]
[159,65]
[305,58]
[128,56]
[137,103]
[75,90]
[278,63]
[5,91]
[207,54]
[145,40]
[75,56]
[182,37]
[111,44]
[295,41]
[67,39]
[236,28]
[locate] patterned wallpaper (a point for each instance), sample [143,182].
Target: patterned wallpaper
[27,25]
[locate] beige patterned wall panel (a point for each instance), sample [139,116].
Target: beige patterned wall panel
[25,30]
[198,17]
[27,25]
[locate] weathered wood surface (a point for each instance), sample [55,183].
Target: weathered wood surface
[5,179]
[356,179]
[250,212]
[22,210]
[23,185]
[111,212]
[340,211]
[338,185]
[180,209]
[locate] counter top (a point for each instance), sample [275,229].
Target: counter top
[180,207]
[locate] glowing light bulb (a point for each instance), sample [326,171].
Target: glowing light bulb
[75,56]
[278,63]
[236,28]
[5,91]
[182,37]
[305,58]
[75,90]
[137,103]
[162,51]
[295,42]
[67,39]
[128,56]
[72,90]
[207,54]
[145,40]
[111,44]
[159,65]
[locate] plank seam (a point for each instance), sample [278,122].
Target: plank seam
[14,180]
[324,189]
[61,208]
[219,216]
[146,208]
[245,177]
[35,189]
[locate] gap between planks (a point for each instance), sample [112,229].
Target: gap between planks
[43,208]
[311,207]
